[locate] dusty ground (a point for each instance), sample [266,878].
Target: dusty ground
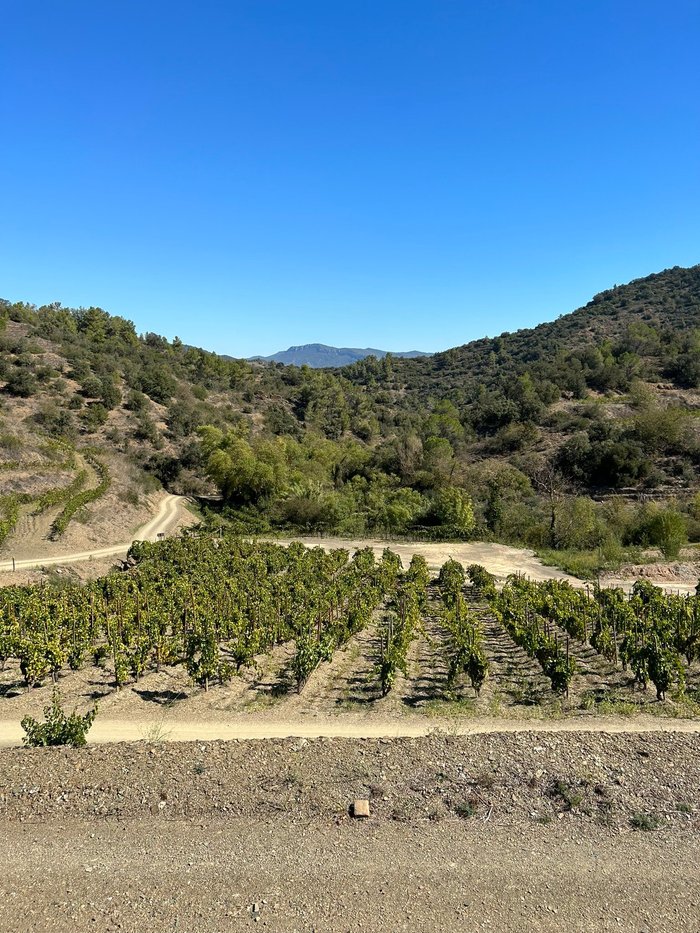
[503,560]
[115,521]
[679,576]
[499,559]
[503,833]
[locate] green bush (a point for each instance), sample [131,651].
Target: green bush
[10,442]
[646,822]
[662,527]
[22,383]
[668,530]
[58,728]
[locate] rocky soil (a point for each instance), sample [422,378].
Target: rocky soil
[566,832]
[509,778]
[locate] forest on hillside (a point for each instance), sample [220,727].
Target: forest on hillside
[575,435]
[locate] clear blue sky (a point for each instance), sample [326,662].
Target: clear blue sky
[388,173]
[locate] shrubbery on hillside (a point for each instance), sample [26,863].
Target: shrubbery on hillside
[515,437]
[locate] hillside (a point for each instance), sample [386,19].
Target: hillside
[320,356]
[579,433]
[627,324]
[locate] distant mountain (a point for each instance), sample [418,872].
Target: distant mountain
[320,356]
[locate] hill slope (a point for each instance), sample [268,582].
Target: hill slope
[545,436]
[635,319]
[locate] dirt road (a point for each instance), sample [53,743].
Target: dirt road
[499,833]
[499,559]
[171,728]
[208,877]
[164,519]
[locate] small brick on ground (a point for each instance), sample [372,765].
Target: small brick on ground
[360,809]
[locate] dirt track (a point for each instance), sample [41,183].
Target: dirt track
[499,559]
[503,833]
[165,518]
[170,728]
[207,877]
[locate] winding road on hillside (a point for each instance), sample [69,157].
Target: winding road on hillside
[164,520]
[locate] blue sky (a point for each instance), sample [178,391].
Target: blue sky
[249,175]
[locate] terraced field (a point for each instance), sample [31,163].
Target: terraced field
[45,488]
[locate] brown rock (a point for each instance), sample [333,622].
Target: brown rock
[360,809]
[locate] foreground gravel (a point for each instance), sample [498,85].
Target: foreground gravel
[208,877]
[496,832]
[598,778]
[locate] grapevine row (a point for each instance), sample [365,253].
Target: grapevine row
[211,604]
[651,632]
[81,499]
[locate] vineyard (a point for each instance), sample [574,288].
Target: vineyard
[59,459]
[324,627]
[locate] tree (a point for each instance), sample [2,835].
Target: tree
[453,508]
[668,530]
[550,483]
[328,412]
[444,422]
[439,460]
[392,508]
[504,485]
[244,473]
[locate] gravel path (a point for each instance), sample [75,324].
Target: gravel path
[207,878]
[501,833]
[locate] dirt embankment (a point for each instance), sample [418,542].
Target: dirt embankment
[675,576]
[501,832]
[595,778]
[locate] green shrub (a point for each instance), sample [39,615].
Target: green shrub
[58,728]
[22,383]
[10,442]
[646,822]
[465,809]
[668,530]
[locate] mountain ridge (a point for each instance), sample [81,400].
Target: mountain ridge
[324,356]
